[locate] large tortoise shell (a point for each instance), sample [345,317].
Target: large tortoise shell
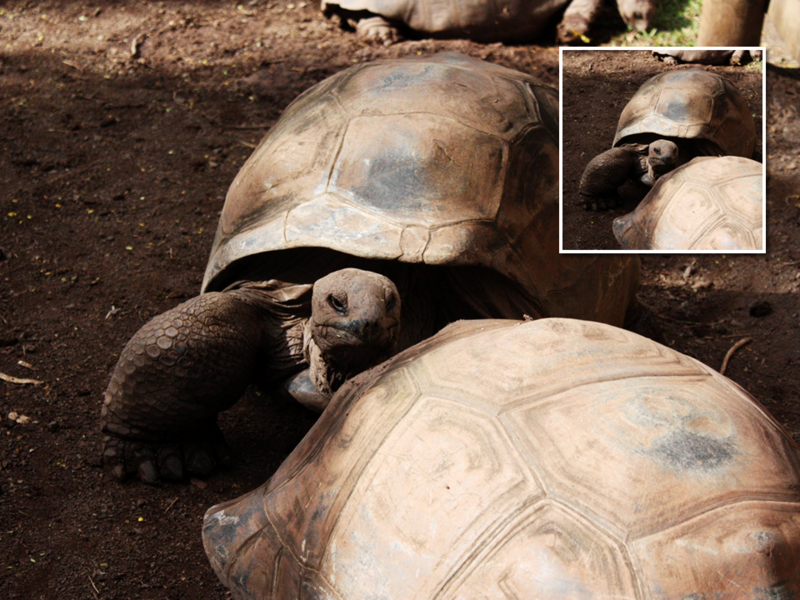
[692,104]
[442,160]
[710,203]
[551,459]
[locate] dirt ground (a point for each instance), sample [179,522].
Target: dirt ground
[123,123]
[597,84]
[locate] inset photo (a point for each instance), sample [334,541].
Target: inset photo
[662,150]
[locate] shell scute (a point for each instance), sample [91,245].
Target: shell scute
[710,203]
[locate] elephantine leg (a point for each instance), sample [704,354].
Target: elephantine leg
[578,18]
[377,30]
[175,375]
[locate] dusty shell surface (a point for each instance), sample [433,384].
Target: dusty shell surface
[690,103]
[414,160]
[712,203]
[470,466]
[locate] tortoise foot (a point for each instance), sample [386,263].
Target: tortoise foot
[153,462]
[600,204]
[377,30]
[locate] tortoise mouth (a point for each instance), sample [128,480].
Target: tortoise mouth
[356,333]
[357,344]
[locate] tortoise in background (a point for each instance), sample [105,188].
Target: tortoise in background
[672,118]
[483,20]
[711,203]
[552,459]
[730,56]
[358,203]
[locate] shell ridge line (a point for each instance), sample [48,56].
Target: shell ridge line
[481,546]
[434,114]
[248,542]
[709,226]
[364,462]
[755,404]
[535,398]
[621,538]
[283,227]
[275,563]
[285,548]
[337,98]
[339,146]
[753,497]
[523,516]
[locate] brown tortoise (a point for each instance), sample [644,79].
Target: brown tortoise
[673,117]
[711,203]
[481,20]
[427,183]
[548,460]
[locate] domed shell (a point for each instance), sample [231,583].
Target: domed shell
[440,160]
[417,160]
[471,466]
[710,203]
[690,103]
[499,20]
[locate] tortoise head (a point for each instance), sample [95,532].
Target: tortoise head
[663,156]
[354,324]
[637,13]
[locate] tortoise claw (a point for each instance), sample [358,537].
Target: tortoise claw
[154,462]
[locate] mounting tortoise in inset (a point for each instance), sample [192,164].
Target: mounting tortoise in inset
[673,117]
[483,20]
[711,203]
[551,459]
[428,184]
[730,56]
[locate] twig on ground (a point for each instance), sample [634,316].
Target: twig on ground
[733,349]
[19,380]
[137,41]
[95,591]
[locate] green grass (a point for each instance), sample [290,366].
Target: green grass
[676,24]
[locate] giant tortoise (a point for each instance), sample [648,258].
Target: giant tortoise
[711,203]
[429,184]
[552,459]
[483,20]
[673,117]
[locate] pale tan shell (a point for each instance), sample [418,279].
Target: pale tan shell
[690,104]
[711,203]
[437,160]
[551,459]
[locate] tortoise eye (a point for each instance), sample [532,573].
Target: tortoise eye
[338,304]
[638,16]
[656,150]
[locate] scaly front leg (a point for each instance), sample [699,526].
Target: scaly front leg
[175,375]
